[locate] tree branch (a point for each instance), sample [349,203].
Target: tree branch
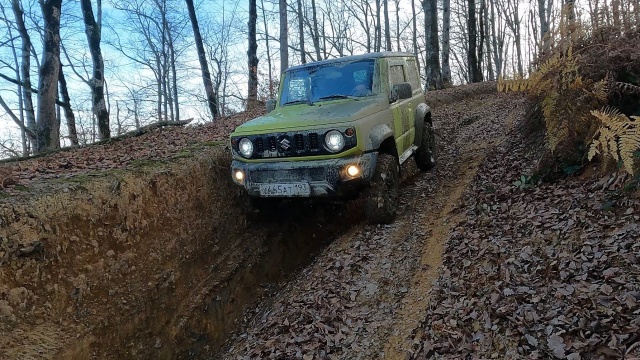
[35,91]
[15,118]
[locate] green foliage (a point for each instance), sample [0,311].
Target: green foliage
[526,181]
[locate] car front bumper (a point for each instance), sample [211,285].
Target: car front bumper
[326,178]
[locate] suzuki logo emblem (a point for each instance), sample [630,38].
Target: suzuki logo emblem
[285,144]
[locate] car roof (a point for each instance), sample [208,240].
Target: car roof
[374,55]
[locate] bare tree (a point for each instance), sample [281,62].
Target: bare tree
[378,33]
[284,36]
[446,48]
[415,33]
[475,75]
[432,62]
[498,35]
[480,57]
[25,68]
[544,15]
[303,54]
[266,39]
[487,37]
[47,126]
[68,112]
[397,2]
[252,97]
[315,32]
[93,30]
[387,27]
[510,10]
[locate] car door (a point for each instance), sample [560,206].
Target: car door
[403,122]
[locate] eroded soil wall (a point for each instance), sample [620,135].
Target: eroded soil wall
[154,263]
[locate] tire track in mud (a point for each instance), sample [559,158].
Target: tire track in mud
[363,296]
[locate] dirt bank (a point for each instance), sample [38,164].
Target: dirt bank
[150,263]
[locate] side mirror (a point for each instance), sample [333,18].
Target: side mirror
[270,105]
[401,91]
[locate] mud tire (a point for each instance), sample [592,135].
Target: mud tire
[381,197]
[426,154]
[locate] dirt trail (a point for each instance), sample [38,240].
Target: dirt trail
[366,293]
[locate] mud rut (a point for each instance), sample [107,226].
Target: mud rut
[365,293]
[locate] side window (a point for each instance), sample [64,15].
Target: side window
[396,75]
[412,72]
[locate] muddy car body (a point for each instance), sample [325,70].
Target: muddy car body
[339,127]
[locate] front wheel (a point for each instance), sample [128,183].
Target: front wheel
[426,154]
[381,197]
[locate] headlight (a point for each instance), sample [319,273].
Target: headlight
[334,140]
[246,147]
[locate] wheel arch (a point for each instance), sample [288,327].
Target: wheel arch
[422,116]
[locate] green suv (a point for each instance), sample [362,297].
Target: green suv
[339,127]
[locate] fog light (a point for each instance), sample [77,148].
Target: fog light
[239,176]
[353,170]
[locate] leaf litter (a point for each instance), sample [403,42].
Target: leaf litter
[553,273]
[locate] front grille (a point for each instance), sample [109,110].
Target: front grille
[292,144]
[272,143]
[299,141]
[313,140]
[288,176]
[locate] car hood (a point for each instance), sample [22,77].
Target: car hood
[312,116]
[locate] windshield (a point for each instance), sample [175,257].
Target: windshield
[353,79]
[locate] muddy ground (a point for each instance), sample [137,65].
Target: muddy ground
[366,293]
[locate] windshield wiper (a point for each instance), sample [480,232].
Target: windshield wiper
[298,102]
[338,96]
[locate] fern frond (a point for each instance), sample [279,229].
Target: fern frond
[627,88]
[593,149]
[617,137]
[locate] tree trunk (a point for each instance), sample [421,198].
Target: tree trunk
[20,117]
[212,100]
[93,31]
[398,25]
[544,24]
[174,72]
[25,68]
[266,39]
[316,33]
[415,33]
[68,113]
[472,58]
[432,45]
[487,31]
[48,135]
[518,40]
[252,97]
[446,46]
[497,45]
[387,27]
[483,8]
[571,15]
[303,54]
[284,37]
[378,32]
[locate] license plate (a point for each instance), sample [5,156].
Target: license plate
[285,190]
